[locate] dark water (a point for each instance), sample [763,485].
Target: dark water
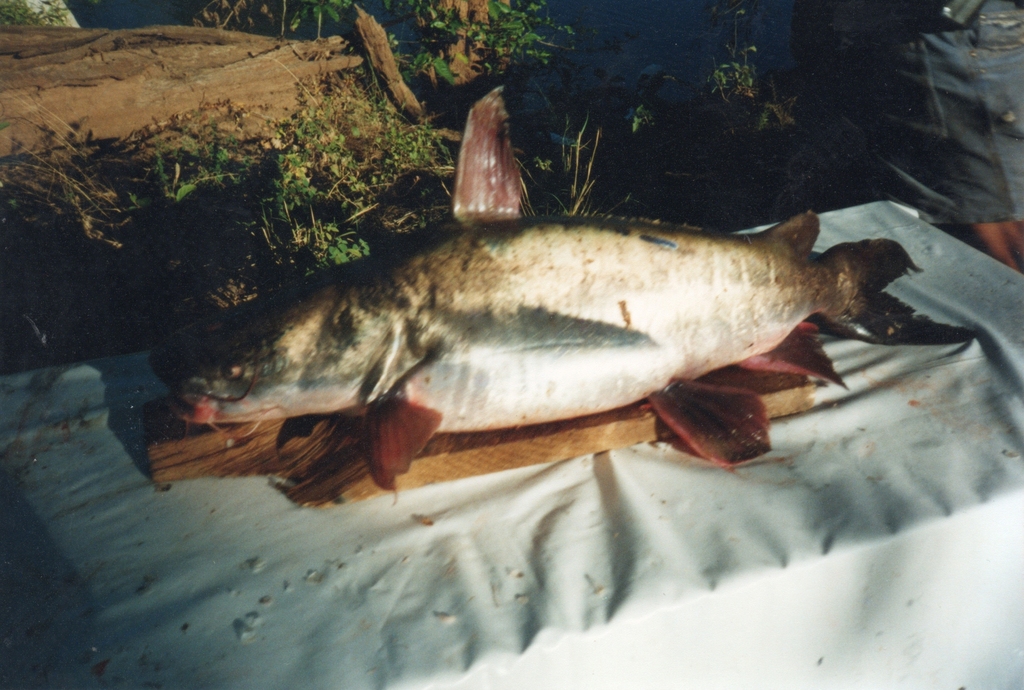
[130,14]
[676,34]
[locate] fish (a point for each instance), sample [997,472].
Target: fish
[497,321]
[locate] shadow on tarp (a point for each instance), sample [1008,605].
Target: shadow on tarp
[46,611]
[128,382]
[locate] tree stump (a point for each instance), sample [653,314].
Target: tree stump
[378,50]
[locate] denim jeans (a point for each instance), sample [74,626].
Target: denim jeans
[942,114]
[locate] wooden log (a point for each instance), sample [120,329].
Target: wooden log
[378,50]
[323,459]
[99,84]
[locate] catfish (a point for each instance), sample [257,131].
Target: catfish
[502,321]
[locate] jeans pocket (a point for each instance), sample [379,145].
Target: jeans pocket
[1001,31]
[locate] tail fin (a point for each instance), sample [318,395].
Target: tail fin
[874,316]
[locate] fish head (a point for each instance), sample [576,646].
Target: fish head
[212,370]
[268,360]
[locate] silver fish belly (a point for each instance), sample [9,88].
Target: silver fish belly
[559,320]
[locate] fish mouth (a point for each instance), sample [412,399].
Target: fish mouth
[207,408]
[196,409]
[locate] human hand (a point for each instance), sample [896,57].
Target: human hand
[1003,241]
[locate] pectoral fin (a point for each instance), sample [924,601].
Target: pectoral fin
[718,423]
[398,431]
[800,353]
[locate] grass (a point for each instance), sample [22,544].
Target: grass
[18,12]
[311,186]
[582,187]
[569,191]
[66,181]
[336,159]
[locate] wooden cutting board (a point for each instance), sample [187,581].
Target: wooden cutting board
[322,459]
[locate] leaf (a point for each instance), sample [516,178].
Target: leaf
[4,125]
[441,67]
[183,191]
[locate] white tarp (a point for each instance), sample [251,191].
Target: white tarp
[880,544]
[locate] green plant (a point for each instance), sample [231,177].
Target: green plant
[513,34]
[19,12]
[347,247]
[739,16]
[239,15]
[641,117]
[137,202]
[316,9]
[345,161]
[735,77]
[267,16]
[777,113]
[338,158]
[459,41]
[200,157]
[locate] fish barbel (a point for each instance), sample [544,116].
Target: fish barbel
[503,321]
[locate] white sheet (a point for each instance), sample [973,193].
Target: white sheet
[880,544]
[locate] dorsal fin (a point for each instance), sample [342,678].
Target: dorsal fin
[799,232]
[487,183]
